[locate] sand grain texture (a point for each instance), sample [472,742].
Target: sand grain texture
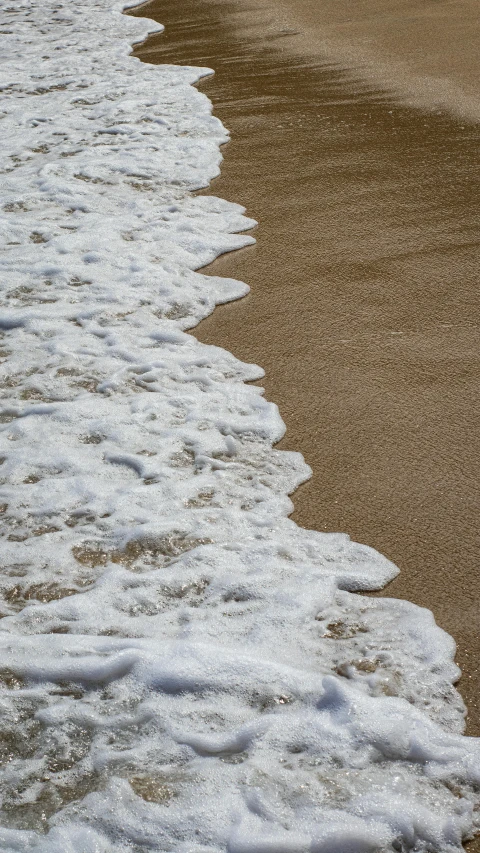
[364,302]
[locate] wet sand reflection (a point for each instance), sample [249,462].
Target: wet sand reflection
[363,309]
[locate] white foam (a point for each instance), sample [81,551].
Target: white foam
[183,668]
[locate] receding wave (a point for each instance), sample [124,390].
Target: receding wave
[182,667]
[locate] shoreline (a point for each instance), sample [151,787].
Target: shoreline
[183,666]
[425,420]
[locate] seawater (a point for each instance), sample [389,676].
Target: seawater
[182,667]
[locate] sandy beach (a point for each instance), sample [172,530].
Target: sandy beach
[363,307]
[189,661]
[427,50]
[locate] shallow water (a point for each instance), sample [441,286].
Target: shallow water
[363,309]
[169,637]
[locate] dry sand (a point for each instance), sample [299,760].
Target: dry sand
[364,302]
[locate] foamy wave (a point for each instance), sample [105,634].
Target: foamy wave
[183,668]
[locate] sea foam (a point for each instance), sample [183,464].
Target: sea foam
[182,667]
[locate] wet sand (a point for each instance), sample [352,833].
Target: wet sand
[428,50]
[364,307]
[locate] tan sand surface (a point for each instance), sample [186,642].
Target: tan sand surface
[428,49]
[365,276]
